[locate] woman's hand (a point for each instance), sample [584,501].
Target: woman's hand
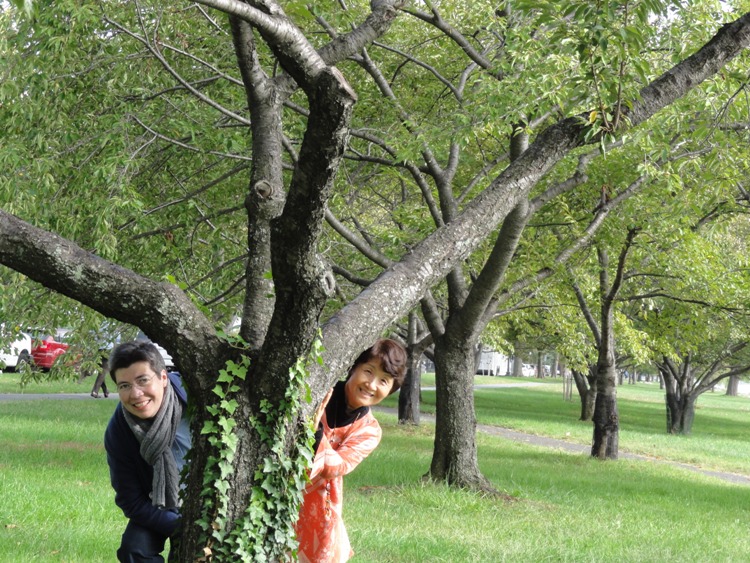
[321,410]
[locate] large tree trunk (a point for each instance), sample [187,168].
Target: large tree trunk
[454,459]
[606,417]
[605,442]
[673,401]
[222,486]
[688,414]
[455,456]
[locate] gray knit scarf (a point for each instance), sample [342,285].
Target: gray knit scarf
[156,435]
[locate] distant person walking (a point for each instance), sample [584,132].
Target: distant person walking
[101,378]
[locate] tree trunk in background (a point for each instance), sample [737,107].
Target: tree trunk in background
[539,366]
[586,386]
[554,366]
[688,414]
[567,379]
[680,394]
[517,362]
[733,385]
[567,387]
[606,417]
[408,399]
[454,458]
[680,412]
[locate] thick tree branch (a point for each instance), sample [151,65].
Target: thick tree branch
[161,310]
[265,195]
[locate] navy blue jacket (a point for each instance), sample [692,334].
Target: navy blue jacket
[132,477]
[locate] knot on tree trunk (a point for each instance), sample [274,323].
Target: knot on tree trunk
[263,189]
[328,282]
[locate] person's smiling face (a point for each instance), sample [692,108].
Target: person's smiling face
[368,385]
[141,390]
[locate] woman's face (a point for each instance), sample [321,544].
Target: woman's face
[141,390]
[367,385]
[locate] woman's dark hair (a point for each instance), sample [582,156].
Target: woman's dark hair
[392,357]
[128,353]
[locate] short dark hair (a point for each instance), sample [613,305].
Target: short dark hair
[126,354]
[392,357]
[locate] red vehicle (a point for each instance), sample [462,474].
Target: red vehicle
[47,348]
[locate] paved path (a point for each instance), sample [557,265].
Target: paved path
[493,430]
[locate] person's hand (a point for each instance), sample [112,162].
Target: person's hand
[321,409]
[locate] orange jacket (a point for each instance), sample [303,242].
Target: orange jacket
[320,528]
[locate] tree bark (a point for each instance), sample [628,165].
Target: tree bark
[680,411]
[517,360]
[733,386]
[539,366]
[606,417]
[555,366]
[454,458]
[688,414]
[606,426]
[586,387]
[409,396]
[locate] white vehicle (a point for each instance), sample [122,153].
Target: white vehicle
[17,353]
[492,363]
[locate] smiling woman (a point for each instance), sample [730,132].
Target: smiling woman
[347,434]
[368,384]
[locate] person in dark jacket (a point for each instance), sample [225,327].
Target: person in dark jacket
[101,377]
[146,442]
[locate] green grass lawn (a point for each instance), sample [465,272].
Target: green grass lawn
[567,507]
[56,502]
[57,505]
[40,383]
[719,438]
